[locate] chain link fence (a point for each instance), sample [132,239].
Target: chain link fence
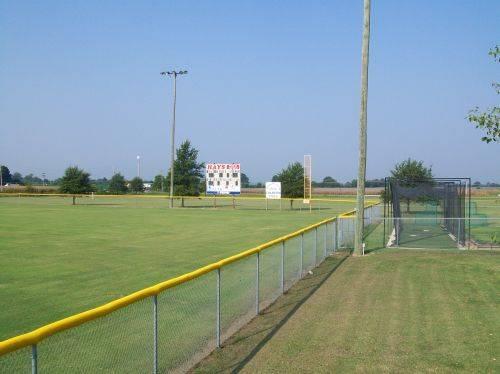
[171,330]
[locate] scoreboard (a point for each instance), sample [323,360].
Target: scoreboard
[223,179]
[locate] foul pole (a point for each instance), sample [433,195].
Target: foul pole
[360,201]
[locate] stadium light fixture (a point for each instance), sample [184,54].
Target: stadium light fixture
[173,74]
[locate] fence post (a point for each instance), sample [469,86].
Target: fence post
[325,229]
[301,254]
[218,310]
[257,285]
[34,359]
[282,266]
[336,233]
[316,245]
[155,334]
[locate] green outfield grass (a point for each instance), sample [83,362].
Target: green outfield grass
[394,310]
[59,259]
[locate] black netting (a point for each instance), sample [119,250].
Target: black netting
[437,204]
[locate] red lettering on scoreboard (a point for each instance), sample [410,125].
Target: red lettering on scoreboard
[223,178]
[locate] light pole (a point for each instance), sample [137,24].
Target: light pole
[138,166]
[173,74]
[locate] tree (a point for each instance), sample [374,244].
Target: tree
[117,184]
[6,177]
[159,183]
[137,185]
[245,181]
[32,179]
[17,178]
[292,181]
[488,121]
[410,173]
[330,182]
[75,181]
[188,171]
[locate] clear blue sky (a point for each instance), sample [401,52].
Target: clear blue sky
[268,82]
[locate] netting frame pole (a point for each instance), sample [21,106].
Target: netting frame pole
[385,198]
[155,334]
[217,317]
[283,267]
[468,244]
[34,359]
[257,286]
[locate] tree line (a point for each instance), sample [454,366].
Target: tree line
[189,173]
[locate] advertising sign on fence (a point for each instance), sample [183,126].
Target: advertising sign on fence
[223,179]
[273,190]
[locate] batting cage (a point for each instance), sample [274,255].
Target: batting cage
[432,213]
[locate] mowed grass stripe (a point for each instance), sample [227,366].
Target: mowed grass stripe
[394,310]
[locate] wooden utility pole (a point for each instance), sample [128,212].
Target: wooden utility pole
[360,201]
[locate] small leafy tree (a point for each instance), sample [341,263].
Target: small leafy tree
[137,185]
[410,173]
[32,179]
[17,178]
[159,183]
[330,182]
[292,181]
[245,181]
[188,171]
[488,121]
[117,184]
[6,177]
[75,181]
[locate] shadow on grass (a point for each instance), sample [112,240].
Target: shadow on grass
[238,350]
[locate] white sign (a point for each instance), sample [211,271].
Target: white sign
[223,179]
[273,190]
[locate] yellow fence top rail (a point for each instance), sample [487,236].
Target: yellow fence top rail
[43,332]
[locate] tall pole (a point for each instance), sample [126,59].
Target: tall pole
[174,74]
[172,145]
[360,201]
[138,166]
